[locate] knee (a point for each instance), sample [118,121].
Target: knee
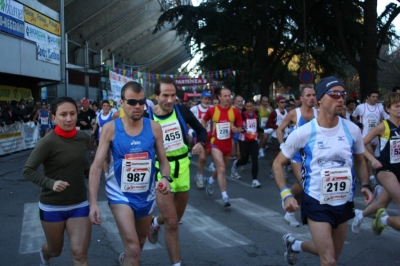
[132,250]
[54,252]
[171,224]
[79,254]
[221,170]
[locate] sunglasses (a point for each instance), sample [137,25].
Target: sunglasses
[336,94]
[134,102]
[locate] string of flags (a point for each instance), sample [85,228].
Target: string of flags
[208,79]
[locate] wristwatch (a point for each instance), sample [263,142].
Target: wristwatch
[168,178]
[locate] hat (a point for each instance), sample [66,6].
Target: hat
[327,83]
[206,94]
[280,98]
[85,101]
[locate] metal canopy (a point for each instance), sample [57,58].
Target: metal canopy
[122,30]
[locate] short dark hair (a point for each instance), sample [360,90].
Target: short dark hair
[372,91]
[105,101]
[395,88]
[165,80]
[134,86]
[349,101]
[57,102]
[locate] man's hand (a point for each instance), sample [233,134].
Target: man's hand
[290,204]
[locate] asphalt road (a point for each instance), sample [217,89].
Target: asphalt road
[247,233]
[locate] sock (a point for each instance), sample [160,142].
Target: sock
[384,220]
[360,216]
[155,223]
[177,264]
[224,194]
[297,246]
[210,180]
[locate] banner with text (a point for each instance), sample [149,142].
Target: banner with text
[9,93]
[39,20]
[18,136]
[48,54]
[11,18]
[117,81]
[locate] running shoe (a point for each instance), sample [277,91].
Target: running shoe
[255,183]
[355,226]
[372,181]
[225,202]
[209,187]
[42,261]
[211,167]
[234,171]
[121,259]
[261,153]
[376,225]
[271,175]
[199,181]
[291,219]
[377,192]
[152,234]
[289,255]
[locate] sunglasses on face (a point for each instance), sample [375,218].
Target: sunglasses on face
[134,102]
[336,94]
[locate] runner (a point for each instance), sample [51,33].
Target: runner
[330,147]
[134,142]
[274,120]
[199,111]
[387,166]
[63,204]
[296,118]
[102,118]
[226,121]
[238,104]
[173,119]
[43,118]
[248,143]
[370,114]
[264,111]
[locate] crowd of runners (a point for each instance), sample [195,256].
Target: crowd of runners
[332,144]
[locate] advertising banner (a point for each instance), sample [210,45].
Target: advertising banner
[48,54]
[117,81]
[53,41]
[10,18]
[9,93]
[35,34]
[39,20]
[18,136]
[188,82]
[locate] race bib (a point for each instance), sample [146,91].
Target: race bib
[223,130]
[172,135]
[263,121]
[135,174]
[44,120]
[394,150]
[335,185]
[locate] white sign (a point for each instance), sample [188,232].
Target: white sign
[12,8]
[35,34]
[48,54]
[53,41]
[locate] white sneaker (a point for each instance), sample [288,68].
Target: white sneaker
[255,183]
[356,224]
[291,219]
[377,192]
[211,167]
[199,181]
[42,261]
[234,172]
[261,153]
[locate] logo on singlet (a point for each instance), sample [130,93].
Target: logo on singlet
[135,142]
[340,137]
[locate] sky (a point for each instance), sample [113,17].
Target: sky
[381,6]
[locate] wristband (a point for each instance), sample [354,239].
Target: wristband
[367,186]
[285,193]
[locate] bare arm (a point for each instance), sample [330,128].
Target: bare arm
[161,157]
[360,168]
[291,116]
[106,137]
[379,130]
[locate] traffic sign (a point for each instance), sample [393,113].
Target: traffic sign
[306,76]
